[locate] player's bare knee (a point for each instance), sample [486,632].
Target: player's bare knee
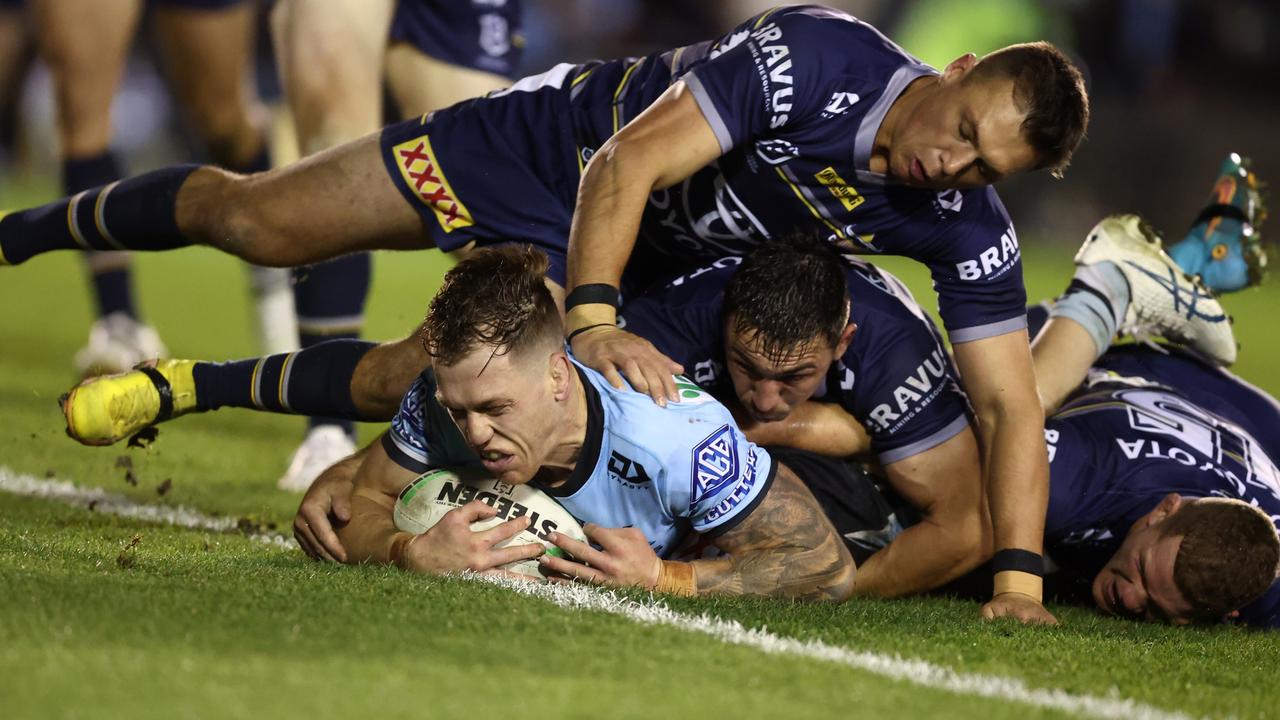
[219,208]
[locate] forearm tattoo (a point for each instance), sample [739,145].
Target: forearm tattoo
[785,548]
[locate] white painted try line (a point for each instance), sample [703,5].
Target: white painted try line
[101,501]
[650,612]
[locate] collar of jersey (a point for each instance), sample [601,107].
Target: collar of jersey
[590,455]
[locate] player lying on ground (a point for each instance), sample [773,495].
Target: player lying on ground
[505,394]
[801,116]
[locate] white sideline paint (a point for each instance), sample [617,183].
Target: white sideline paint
[650,612]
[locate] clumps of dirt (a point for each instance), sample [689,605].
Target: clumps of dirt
[124,461]
[144,437]
[128,554]
[163,488]
[130,478]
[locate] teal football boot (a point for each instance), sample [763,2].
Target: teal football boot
[1224,246]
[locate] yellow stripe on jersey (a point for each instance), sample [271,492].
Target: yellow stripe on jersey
[622,86]
[581,77]
[765,16]
[813,210]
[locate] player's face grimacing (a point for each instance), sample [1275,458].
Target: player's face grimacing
[770,388]
[962,133]
[505,408]
[1138,580]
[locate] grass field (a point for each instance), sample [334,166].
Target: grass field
[103,616]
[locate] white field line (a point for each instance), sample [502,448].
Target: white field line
[651,612]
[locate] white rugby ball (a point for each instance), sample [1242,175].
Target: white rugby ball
[425,500]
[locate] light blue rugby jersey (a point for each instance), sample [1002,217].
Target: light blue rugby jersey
[665,470]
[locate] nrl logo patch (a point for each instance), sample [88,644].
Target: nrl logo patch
[715,463]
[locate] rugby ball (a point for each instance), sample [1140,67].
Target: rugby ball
[425,500]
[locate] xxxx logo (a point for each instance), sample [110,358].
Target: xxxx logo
[420,170]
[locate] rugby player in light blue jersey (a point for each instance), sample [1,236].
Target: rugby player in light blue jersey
[504,394]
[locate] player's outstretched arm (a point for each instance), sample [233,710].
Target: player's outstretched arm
[666,143]
[954,534]
[449,546]
[998,376]
[818,427]
[786,548]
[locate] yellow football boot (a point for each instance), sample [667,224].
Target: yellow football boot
[107,409]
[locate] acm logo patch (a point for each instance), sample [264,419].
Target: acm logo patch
[715,463]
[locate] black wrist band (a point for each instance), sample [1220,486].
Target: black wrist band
[1018,560]
[594,293]
[581,330]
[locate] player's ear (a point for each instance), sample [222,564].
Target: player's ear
[958,68]
[1168,506]
[846,337]
[560,372]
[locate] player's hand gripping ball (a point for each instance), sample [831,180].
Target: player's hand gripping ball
[427,499]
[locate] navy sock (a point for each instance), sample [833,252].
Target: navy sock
[108,274]
[329,298]
[133,214]
[314,381]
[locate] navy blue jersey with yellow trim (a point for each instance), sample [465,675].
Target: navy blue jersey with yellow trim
[1124,442]
[795,97]
[666,471]
[895,377]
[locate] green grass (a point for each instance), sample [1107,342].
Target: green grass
[206,625]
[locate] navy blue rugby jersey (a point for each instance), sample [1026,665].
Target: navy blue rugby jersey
[895,378]
[795,97]
[1123,444]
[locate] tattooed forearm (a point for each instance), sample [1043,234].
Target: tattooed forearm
[785,548]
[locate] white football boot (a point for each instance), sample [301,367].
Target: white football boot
[117,342]
[1164,300]
[323,446]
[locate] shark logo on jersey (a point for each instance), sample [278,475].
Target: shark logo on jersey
[773,60]
[840,102]
[776,152]
[948,201]
[715,463]
[994,261]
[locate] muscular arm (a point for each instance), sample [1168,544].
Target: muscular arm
[370,533]
[785,548]
[817,427]
[998,376]
[665,144]
[954,536]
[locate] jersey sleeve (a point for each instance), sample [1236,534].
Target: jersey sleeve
[770,73]
[904,389]
[422,435]
[714,476]
[976,263]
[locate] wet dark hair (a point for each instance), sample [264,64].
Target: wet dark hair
[790,294]
[1050,90]
[1228,556]
[494,298]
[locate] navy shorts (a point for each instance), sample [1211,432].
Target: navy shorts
[478,34]
[201,4]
